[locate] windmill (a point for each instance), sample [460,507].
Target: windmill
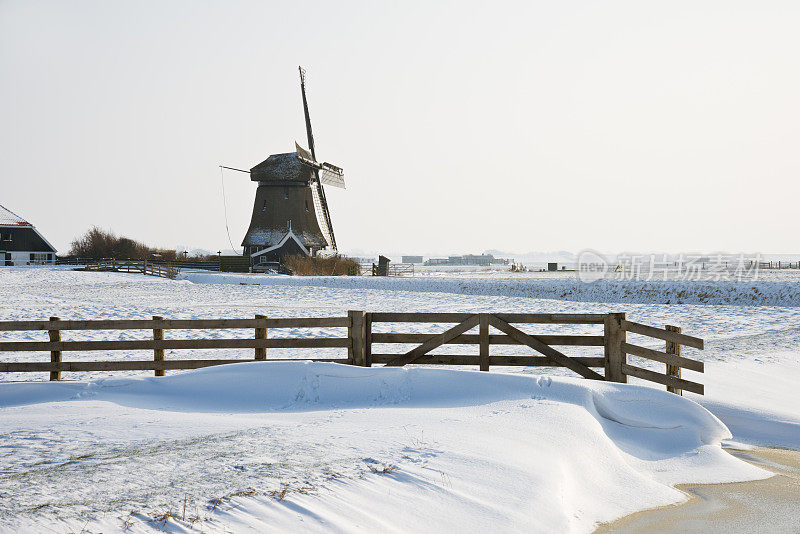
[290,213]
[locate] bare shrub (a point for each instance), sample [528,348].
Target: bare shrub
[336,265]
[98,243]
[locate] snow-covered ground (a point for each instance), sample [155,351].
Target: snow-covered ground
[533,450]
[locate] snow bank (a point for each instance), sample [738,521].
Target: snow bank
[757,399]
[474,451]
[303,385]
[745,293]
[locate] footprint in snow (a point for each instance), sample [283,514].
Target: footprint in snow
[544,381]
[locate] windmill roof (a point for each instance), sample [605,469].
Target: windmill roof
[9,217]
[281,168]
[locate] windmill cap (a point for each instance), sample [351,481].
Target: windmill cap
[281,168]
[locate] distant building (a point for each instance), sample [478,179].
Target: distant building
[21,243]
[468,259]
[412,259]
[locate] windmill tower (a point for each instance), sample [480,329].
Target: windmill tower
[290,213]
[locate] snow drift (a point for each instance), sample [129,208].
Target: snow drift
[473,450]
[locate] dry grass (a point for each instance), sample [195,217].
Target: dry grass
[280,494]
[337,265]
[162,518]
[385,470]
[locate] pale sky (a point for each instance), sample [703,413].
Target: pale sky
[461,126]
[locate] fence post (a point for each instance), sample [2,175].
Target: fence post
[158,354]
[261,333]
[613,337]
[674,348]
[55,355]
[356,334]
[368,339]
[483,338]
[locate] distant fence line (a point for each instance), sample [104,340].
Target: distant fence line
[361,340]
[693,265]
[134,266]
[209,265]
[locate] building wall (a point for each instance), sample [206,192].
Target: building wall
[275,206]
[21,239]
[26,258]
[22,245]
[288,249]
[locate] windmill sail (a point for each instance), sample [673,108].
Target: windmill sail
[323,217]
[329,174]
[304,155]
[332,175]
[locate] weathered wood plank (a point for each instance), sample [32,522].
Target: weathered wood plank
[542,318]
[357,331]
[431,359]
[652,376]
[134,365]
[547,350]
[177,324]
[473,359]
[643,329]
[663,357]
[55,355]
[436,341]
[673,349]
[391,317]
[150,344]
[614,336]
[494,339]
[260,353]
[542,361]
[158,354]
[483,336]
[368,339]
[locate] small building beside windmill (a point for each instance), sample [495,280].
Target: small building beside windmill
[21,243]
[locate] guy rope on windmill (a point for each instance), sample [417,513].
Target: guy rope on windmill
[290,212]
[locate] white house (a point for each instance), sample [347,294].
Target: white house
[21,243]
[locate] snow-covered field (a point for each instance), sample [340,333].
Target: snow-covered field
[382,449]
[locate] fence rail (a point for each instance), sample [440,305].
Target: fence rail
[360,340]
[209,265]
[134,266]
[395,269]
[780,264]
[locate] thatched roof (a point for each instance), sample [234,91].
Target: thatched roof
[281,168]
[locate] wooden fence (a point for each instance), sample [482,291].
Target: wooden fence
[395,269]
[360,341]
[779,264]
[134,266]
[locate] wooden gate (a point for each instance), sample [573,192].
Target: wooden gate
[483,321]
[613,365]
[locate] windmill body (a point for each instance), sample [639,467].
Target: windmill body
[290,212]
